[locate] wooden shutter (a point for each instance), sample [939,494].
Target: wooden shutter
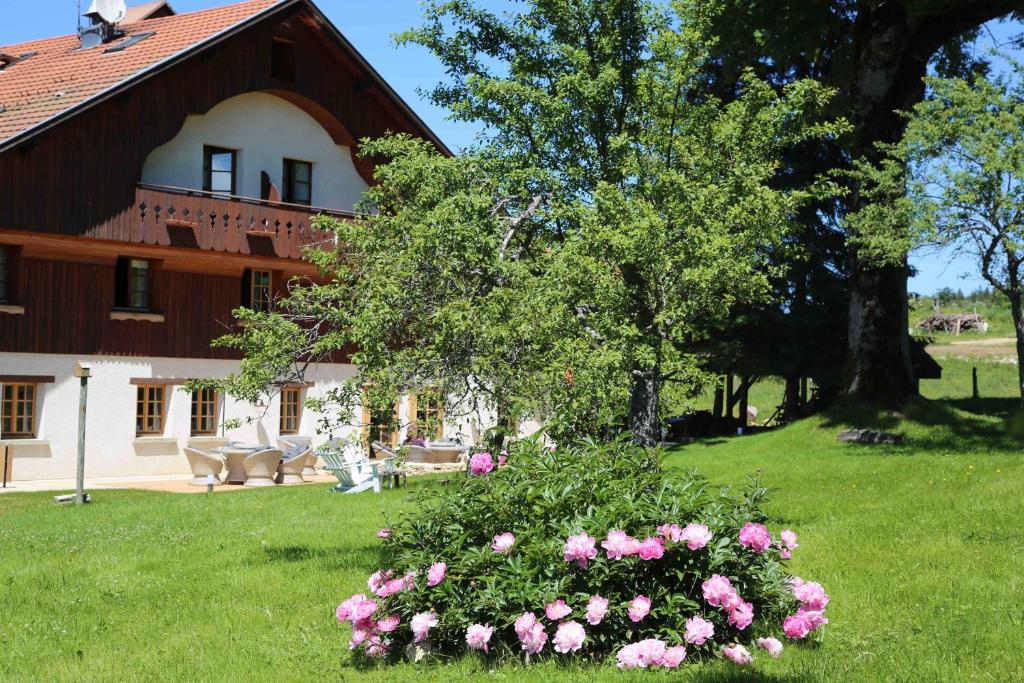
[247,288]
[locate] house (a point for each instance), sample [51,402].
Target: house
[156,175]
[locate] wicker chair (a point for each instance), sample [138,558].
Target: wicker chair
[261,467]
[202,465]
[289,471]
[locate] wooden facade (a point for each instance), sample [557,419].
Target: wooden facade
[71,200]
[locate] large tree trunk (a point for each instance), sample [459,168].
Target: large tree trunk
[1018,328]
[892,47]
[644,420]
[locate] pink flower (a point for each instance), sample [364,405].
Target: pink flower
[481,463]
[435,574]
[696,536]
[384,533]
[503,543]
[812,595]
[698,631]
[742,616]
[378,578]
[478,635]
[525,623]
[349,608]
[639,608]
[738,654]
[755,537]
[533,640]
[646,653]
[375,647]
[422,623]
[785,553]
[673,656]
[502,459]
[597,607]
[363,610]
[797,626]
[557,610]
[716,589]
[671,532]
[388,624]
[731,601]
[359,636]
[620,544]
[629,657]
[772,645]
[651,548]
[788,539]
[815,618]
[579,549]
[569,637]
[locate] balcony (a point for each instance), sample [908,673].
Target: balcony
[174,216]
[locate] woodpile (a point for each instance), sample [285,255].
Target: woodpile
[954,322]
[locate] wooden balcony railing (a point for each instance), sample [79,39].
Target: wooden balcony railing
[174,216]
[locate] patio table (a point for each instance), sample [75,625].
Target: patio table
[234,460]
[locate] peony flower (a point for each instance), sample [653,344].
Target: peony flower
[639,608]
[377,647]
[569,637]
[502,459]
[557,610]
[738,654]
[671,532]
[348,608]
[481,463]
[742,616]
[435,574]
[796,626]
[363,610]
[533,639]
[629,657]
[651,548]
[811,595]
[755,537]
[673,656]
[696,536]
[388,624]
[390,587]
[620,544]
[646,653]
[731,600]
[597,607]
[359,636]
[698,631]
[772,645]
[716,589]
[579,549]
[788,539]
[378,579]
[421,623]
[815,618]
[525,623]
[503,543]
[478,636]
[384,533]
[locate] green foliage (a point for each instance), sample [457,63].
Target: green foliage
[543,497]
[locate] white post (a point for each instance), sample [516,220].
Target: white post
[82,371]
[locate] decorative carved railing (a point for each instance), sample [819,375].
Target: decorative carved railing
[174,216]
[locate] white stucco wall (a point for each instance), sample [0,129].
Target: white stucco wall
[265,130]
[112,448]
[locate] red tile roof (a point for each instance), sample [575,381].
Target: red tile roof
[61,76]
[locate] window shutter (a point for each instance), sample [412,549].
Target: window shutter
[247,288]
[121,282]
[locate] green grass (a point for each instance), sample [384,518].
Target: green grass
[919,545]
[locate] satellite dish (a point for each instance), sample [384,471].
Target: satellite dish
[110,11]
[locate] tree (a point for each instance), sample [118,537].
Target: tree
[572,265]
[875,54]
[965,147]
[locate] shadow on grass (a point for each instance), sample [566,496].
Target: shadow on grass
[334,557]
[977,425]
[735,674]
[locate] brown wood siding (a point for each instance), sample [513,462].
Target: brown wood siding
[67,310]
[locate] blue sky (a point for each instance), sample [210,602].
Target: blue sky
[369,25]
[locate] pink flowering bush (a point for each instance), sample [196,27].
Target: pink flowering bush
[587,552]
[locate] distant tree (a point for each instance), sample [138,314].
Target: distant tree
[578,260]
[965,149]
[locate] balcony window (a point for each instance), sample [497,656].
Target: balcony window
[149,410]
[134,284]
[204,412]
[18,411]
[298,182]
[219,170]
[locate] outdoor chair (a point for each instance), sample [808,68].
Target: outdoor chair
[261,467]
[202,465]
[419,454]
[309,469]
[354,475]
[289,471]
[391,469]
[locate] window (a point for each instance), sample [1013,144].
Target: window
[291,406]
[259,297]
[378,428]
[219,166]
[149,410]
[18,411]
[133,284]
[204,412]
[298,182]
[427,415]
[282,60]
[4,276]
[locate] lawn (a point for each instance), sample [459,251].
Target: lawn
[920,547]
